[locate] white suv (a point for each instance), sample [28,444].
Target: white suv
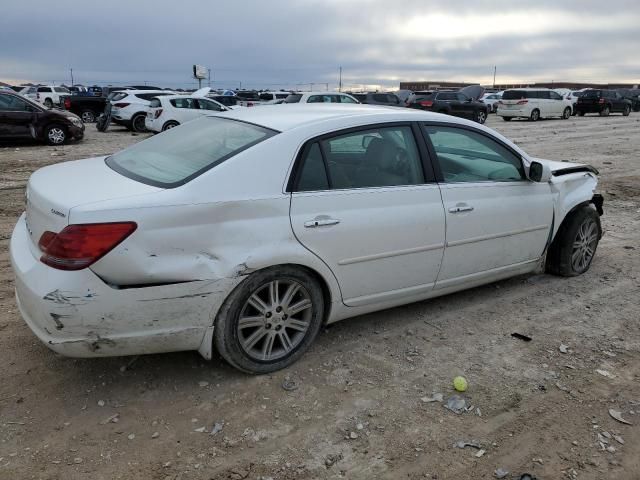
[169,111]
[49,95]
[129,107]
[534,104]
[320,97]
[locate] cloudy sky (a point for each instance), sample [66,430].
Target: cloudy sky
[284,44]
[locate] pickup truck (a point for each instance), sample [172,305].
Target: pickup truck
[252,98]
[86,107]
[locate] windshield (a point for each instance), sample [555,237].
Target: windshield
[293,98]
[181,154]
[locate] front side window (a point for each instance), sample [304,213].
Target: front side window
[555,96]
[345,99]
[378,157]
[320,99]
[9,103]
[468,156]
[172,159]
[183,102]
[44,90]
[293,98]
[208,105]
[62,90]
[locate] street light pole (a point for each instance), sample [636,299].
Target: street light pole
[494,76]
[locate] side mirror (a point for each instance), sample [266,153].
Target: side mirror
[539,172]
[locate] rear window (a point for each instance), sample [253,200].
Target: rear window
[293,98]
[515,95]
[592,94]
[155,103]
[181,154]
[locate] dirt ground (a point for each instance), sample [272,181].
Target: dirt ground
[353,407]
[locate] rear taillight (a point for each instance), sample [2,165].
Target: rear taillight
[67,103]
[78,246]
[249,104]
[158,112]
[121,105]
[601,100]
[426,103]
[522,102]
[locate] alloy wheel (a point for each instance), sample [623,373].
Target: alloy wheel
[274,320]
[584,245]
[481,117]
[88,117]
[56,135]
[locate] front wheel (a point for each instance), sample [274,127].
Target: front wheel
[567,113]
[55,135]
[626,111]
[535,115]
[169,125]
[605,111]
[574,247]
[269,320]
[481,116]
[88,116]
[48,103]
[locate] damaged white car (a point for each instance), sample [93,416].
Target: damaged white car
[245,232]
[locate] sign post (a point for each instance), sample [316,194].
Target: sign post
[200,73]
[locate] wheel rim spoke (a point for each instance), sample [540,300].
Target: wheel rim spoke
[299,307]
[249,322]
[267,346]
[299,325]
[273,294]
[286,342]
[256,336]
[257,303]
[289,294]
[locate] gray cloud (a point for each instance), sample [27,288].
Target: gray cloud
[284,43]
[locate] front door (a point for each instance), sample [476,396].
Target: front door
[361,203]
[495,217]
[16,117]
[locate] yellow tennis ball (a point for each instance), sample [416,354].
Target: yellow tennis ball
[460,384]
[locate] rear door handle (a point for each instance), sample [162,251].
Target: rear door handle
[321,222]
[461,208]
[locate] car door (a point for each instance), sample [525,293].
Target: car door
[467,106]
[495,217]
[555,99]
[16,117]
[364,202]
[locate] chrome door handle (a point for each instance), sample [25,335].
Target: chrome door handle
[461,208]
[321,222]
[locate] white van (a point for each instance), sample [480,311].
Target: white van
[534,104]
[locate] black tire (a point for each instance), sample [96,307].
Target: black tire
[560,255]
[55,134]
[605,111]
[626,111]
[507,119]
[580,113]
[88,116]
[137,123]
[169,125]
[225,334]
[535,115]
[480,116]
[566,115]
[103,122]
[48,103]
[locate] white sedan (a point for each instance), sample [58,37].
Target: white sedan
[246,231]
[172,110]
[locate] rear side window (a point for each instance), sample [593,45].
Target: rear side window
[281,96]
[183,102]
[345,99]
[393,99]
[467,156]
[155,103]
[172,159]
[447,96]
[44,90]
[293,98]
[592,94]
[378,157]
[380,97]
[266,97]
[62,90]
[321,99]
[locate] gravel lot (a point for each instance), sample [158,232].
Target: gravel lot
[354,408]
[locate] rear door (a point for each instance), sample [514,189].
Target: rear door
[495,217]
[363,201]
[16,117]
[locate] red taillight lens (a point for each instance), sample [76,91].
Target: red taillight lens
[426,103]
[120,105]
[158,112]
[78,246]
[522,102]
[67,103]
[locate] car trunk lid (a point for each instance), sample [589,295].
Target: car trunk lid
[54,190]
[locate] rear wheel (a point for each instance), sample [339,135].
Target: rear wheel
[169,125]
[535,115]
[567,113]
[55,134]
[572,251]
[626,111]
[481,116]
[605,111]
[137,123]
[88,116]
[269,320]
[48,103]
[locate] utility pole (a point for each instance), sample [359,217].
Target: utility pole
[209,70]
[494,76]
[71,69]
[340,80]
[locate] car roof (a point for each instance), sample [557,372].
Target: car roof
[528,89]
[133,92]
[319,93]
[289,117]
